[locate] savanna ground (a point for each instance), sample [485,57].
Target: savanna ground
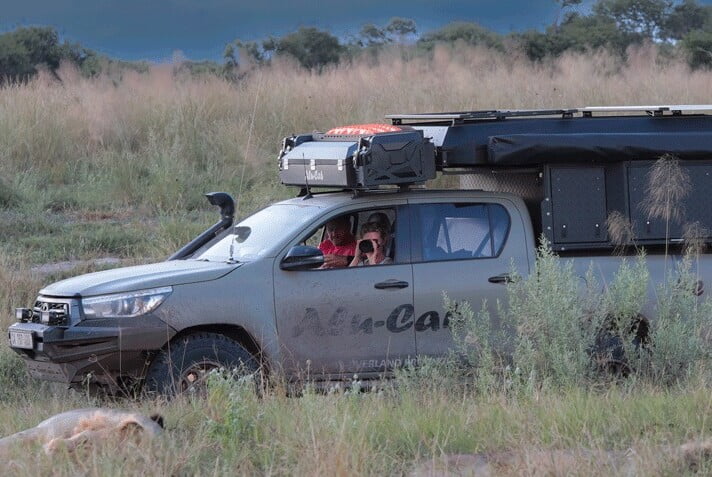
[107,167]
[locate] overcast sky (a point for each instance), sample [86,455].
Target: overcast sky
[154,29]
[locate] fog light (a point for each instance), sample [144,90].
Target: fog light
[47,315]
[23,314]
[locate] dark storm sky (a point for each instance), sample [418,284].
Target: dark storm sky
[153,29]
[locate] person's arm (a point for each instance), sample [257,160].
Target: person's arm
[331,260]
[357,255]
[336,261]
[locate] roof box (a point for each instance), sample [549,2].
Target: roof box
[357,161]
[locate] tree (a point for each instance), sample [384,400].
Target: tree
[591,32]
[23,50]
[371,35]
[698,46]
[579,33]
[468,32]
[564,5]
[229,56]
[246,51]
[642,17]
[685,18]
[399,28]
[313,48]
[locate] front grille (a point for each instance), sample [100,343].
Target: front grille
[56,314]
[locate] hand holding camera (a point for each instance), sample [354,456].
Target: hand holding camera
[365,246]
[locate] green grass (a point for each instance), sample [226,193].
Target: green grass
[385,433]
[92,169]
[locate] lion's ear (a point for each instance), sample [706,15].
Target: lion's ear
[158,419]
[129,428]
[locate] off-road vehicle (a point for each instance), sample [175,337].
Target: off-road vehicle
[256,294]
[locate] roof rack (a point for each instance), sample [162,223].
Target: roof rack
[459,117]
[588,111]
[660,110]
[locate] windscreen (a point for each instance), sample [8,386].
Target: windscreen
[259,234]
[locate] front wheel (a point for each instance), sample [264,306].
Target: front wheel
[184,365]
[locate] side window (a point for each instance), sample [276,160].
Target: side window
[316,238]
[462,231]
[338,238]
[499,220]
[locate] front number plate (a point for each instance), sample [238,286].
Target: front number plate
[21,339]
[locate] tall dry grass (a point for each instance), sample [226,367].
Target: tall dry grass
[153,139]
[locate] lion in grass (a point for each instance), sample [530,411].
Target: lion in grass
[84,427]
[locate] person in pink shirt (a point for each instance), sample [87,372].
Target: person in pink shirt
[339,247]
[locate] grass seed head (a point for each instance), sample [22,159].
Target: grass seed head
[668,185]
[620,230]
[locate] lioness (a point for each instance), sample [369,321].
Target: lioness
[71,429]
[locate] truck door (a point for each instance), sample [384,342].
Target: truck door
[333,323]
[465,249]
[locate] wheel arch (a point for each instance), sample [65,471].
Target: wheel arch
[234,332]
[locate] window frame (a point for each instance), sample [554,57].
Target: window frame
[403,248]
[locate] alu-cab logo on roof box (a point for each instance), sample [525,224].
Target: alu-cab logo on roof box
[315,176]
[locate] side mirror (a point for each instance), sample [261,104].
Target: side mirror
[302,257]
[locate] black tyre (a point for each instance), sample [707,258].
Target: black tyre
[184,364]
[610,351]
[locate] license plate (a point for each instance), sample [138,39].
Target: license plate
[21,339]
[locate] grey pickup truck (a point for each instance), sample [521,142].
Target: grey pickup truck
[290,288]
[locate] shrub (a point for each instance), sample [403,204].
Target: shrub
[680,334]
[8,196]
[555,321]
[233,405]
[473,338]
[563,332]
[13,377]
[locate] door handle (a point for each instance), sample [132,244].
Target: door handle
[392,283]
[503,278]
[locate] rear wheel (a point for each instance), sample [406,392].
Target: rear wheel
[185,364]
[610,350]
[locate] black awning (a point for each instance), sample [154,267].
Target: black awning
[533,149]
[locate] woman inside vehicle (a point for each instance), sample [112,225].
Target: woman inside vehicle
[370,248]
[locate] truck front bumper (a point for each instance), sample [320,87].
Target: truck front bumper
[97,351]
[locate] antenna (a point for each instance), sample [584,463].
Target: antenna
[231,258]
[308,195]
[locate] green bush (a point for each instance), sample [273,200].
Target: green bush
[14,381]
[680,334]
[474,344]
[564,332]
[555,324]
[8,196]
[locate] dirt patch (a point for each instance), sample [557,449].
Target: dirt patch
[50,268]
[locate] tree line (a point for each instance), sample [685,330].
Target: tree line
[679,27]
[25,51]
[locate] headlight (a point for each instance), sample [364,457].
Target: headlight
[125,305]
